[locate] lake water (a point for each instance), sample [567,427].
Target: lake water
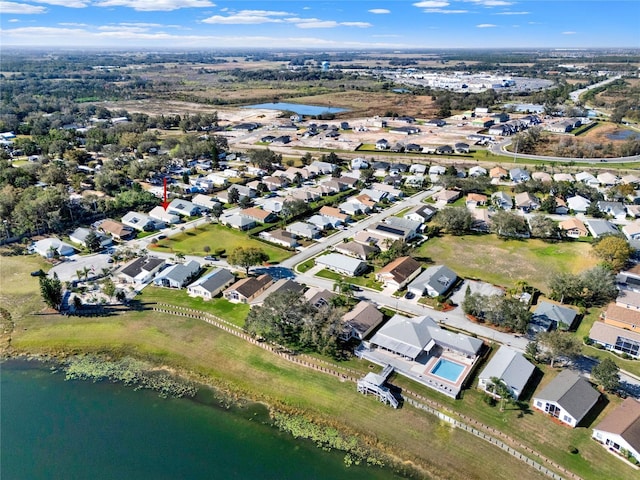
[53,429]
[298,108]
[623,135]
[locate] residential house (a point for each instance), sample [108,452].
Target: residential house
[280,237]
[117,230]
[160,214]
[561,207]
[630,179]
[511,368]
[405,130]
[434,281]
[476,199]
[616,209]
[578,203]
[563,177]
[498,173]
[633,211]
[415,181]
[548,316]
[183,207]
[342,264]
[321,168]
[79,237]
[587,179]
[461,147]
[50,247]
[418,169]
[607,179]
[355,249]
[178,275]
[319,297]
[247,289]
[616,339]
[306,195]
[484,122]
[237,221]
[243,191]
[632,230]
[446,196]
[477,171]
[303,230]
[211,284]
[139,221]
[435,122]
[399,272]
[205,202]
[436,170]
[392,192]
[367,237]
[622,316]
[361,321]
[481,220]
[573,228]
[502,200]
[382,144]
[542,177]
[421,213]
[350,208]
[258,215]
[519,175]
[444,150]
[598,227]
[141,270]
[567,398]
[358,163]
[320,221]
[526,202]
[390,233]
[280,286]
[376,196]
[274,183]
[335,215]
[619,431]
[273,205]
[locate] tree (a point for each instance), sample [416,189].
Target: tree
[509,224]
[606,375]
[614,251]
[245,202]
[293,208]
[455,220]
[501,390]
[549,204]
[556,344]
[93,242]
[233,195]
[247,257]
[51,290]
[543,227]
[532,350]
[109,288]
[216,210]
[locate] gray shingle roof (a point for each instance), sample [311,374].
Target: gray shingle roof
[556,313]
[509,366]
[572,392]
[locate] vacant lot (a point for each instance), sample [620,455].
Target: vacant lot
[193,242]
[504,262]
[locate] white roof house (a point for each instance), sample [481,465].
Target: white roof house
[79,236]
[238,221]
[183,207]
[509,366]
[211,284]
[178,275]
[48,247]
[587,178]
[163,215]
[578,203]
[607,179]
[138,221]
[342,264]
[477,171]
[205,202]
[303,229]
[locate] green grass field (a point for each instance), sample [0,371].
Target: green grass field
[214,236]
[367,280]
[504,262]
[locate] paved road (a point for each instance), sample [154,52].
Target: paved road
[575,96]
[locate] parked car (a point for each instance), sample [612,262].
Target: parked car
[37,273]
[210,258]
[409,295]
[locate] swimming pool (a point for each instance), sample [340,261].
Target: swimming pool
[448,370]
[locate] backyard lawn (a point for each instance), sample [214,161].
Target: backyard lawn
[504,262]
[214,236]
[367,280]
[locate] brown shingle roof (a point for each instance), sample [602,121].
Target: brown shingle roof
[255,213]
[248,287]
[624,421]
[400,269]
[622,315]
[333,212]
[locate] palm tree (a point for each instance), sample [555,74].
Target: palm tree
[501,390]
[85,272]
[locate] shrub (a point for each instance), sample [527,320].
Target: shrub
[573,450]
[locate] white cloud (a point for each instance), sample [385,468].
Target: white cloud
[65,3]
[356,24]
[512,13]
[265,13]
[569,33]
[379,11]
[14,20]
[315,23]
[241,20]
[431,4]
[445,12]
[20,8]
[73,24]
[491,3]
[486,25]
[156,5]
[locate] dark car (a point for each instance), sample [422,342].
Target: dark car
[37,273]
[409,295]
[210,258]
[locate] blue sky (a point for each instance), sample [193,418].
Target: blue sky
[349,24]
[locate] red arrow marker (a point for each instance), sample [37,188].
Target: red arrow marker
[165,204]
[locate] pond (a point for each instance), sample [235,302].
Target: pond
[623,135]
[299,108]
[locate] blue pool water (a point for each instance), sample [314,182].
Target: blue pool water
[298,108]
[448,370]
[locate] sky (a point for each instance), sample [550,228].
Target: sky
[320,24]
